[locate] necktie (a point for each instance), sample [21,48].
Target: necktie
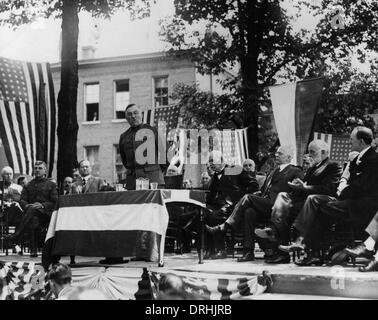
[269,182]
[83,186]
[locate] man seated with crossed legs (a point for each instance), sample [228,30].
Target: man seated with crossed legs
[356,204]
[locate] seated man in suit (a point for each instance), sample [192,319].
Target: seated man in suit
[88,183]
[248,179]
[10,195]
[67,186]
[357,202]
[224,192]
[254,208]
[38,200]
[321,178]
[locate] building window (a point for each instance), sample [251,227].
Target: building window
[161,91]
[120,171]
[122,97]
[92,155]
[92,99]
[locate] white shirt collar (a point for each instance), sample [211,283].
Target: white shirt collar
[283,166]
[86,178]
[362,153]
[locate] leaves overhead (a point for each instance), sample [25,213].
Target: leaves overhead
[19,12]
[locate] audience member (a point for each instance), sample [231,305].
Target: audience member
[21,181]
[187,184]
[322,178]
[88,183]
[67,185]
[248,181]
[10,196]
[76,175]
[172,171]
[38,199]
[205,181]
[307,163]
[171,287]
[361,192]
[255,208]
[60,277]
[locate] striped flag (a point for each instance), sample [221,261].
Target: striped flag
[169,114]
[132,225]
[210,286]
[27,114]
[294,109]
[340,146]
[21,279]
[235,146]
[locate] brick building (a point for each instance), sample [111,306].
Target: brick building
[107,85]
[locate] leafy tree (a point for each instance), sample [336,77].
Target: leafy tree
[350,96]
[257,36]
[21,12]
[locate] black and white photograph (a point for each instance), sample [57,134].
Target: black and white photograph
[209,151]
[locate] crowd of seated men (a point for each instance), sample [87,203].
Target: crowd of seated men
[306,201]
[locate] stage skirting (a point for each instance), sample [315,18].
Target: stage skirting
[131,283]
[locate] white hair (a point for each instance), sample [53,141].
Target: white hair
[322,145]
[6,169]
[287,150]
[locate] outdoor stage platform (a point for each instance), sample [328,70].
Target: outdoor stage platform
[221,279]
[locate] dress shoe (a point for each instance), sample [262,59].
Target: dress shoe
[220,228]
[279,258]
[219,255]
[372,266]
[359,251]
[249,256]
[266,233]
[294,247]
[309,261]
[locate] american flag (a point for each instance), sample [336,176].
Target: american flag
[27,114]
[234,146]
[21,279]
[340,145]
[210,286]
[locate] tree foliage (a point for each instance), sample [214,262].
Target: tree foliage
[20,12]
[255,36]
[258,38]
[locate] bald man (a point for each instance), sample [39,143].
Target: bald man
[322,178]
[357,202]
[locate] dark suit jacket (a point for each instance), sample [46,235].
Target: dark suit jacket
[361,193]
[93,185]
[279,180]
[224,192]
[322,179]
[127,147]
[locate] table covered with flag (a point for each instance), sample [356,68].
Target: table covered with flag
[114,224]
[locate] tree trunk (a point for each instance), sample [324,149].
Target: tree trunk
[67,98]
[250,94]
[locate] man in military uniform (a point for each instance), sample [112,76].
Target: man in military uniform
[38,200]
[128,146]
